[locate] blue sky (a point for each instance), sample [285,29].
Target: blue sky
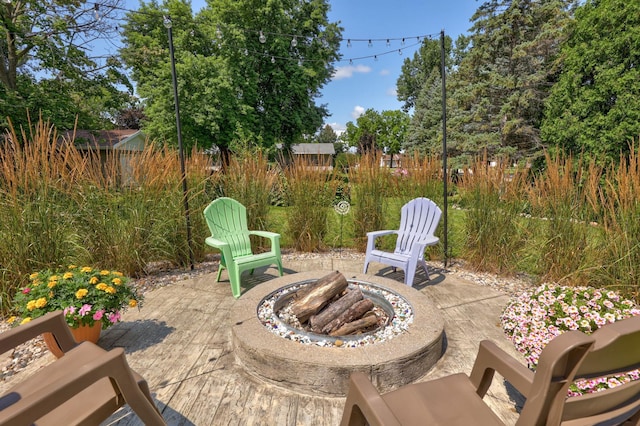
[369,83]
[366,83]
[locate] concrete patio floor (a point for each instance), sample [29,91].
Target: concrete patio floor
[180,342]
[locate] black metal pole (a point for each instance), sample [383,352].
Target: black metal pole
[445,176]
[185,193]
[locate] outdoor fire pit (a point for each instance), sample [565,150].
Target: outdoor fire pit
[405,341]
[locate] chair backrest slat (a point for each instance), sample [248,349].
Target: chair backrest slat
[227,221]
[418,219]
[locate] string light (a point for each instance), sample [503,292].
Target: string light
[388,42]
[218,32]
[262,38]
[349,43]
[294,41]
[370,44]
[96,11]
[273,60]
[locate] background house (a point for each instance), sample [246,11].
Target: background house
[124,144]
[318,154]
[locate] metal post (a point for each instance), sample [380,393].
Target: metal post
[445,176]
[185,193]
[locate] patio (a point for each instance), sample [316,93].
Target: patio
[180,341]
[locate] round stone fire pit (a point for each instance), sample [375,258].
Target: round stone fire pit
[396,354]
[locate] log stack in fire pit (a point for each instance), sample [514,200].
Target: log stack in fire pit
[331,307]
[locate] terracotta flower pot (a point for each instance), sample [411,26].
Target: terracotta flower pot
[82,333]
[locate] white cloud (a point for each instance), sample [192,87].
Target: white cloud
[357,112]
[385,72]
[392,91]
[349,70]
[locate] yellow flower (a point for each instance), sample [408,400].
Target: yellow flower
[36,283]
[93,280]
[33,276]
[51,284]
[133,303]
[104,272]
[101,286]
[67,275]
[54,278]
[117,273]
[13,319]
[86,269]
[41,303]
[116,281]
[81,293]
[26,320]
[110,290]
[72,266]
[31,305]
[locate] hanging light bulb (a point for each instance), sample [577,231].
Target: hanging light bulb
[299,62]
[294,41]
[350,61]
[400,52]
[402,41]
[375,58]
[96,12]
[348,42]
[370,44]
[388,42]
[273,60]
[218,32]
[167,22]
[262,38]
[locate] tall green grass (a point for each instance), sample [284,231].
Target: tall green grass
[312,189]
[370,188]
[495,234]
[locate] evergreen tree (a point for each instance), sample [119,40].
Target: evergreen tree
[504,78]
[595,106]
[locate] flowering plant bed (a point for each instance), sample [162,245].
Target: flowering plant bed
[85,295]
[531,320]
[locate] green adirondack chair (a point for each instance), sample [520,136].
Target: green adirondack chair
[227,221]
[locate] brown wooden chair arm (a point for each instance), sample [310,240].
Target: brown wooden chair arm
[491,359]
[365,402]
[111,364]
[53,323]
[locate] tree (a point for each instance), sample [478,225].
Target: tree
[327,135]
[385,131]
[505,77]
[46,67]
[595,105]
[247,69]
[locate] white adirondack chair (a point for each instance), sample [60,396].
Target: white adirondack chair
[418,221]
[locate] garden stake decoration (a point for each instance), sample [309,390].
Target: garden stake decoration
[342,208]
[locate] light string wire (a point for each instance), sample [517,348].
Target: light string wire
[295,37]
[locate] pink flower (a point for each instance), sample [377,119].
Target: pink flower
[98,315]
[69,310]
[86,308]
[26,290]
[113,317]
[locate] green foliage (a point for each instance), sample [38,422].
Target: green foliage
[595,106]
[233,83]
[504,77]
[327,135]
[373,130]
[48,68]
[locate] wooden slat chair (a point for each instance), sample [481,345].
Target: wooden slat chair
[227,221]
[85,386]
[457,399]
[419,219]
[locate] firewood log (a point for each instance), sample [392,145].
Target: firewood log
[331,311]
[320,293]
[355,311]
